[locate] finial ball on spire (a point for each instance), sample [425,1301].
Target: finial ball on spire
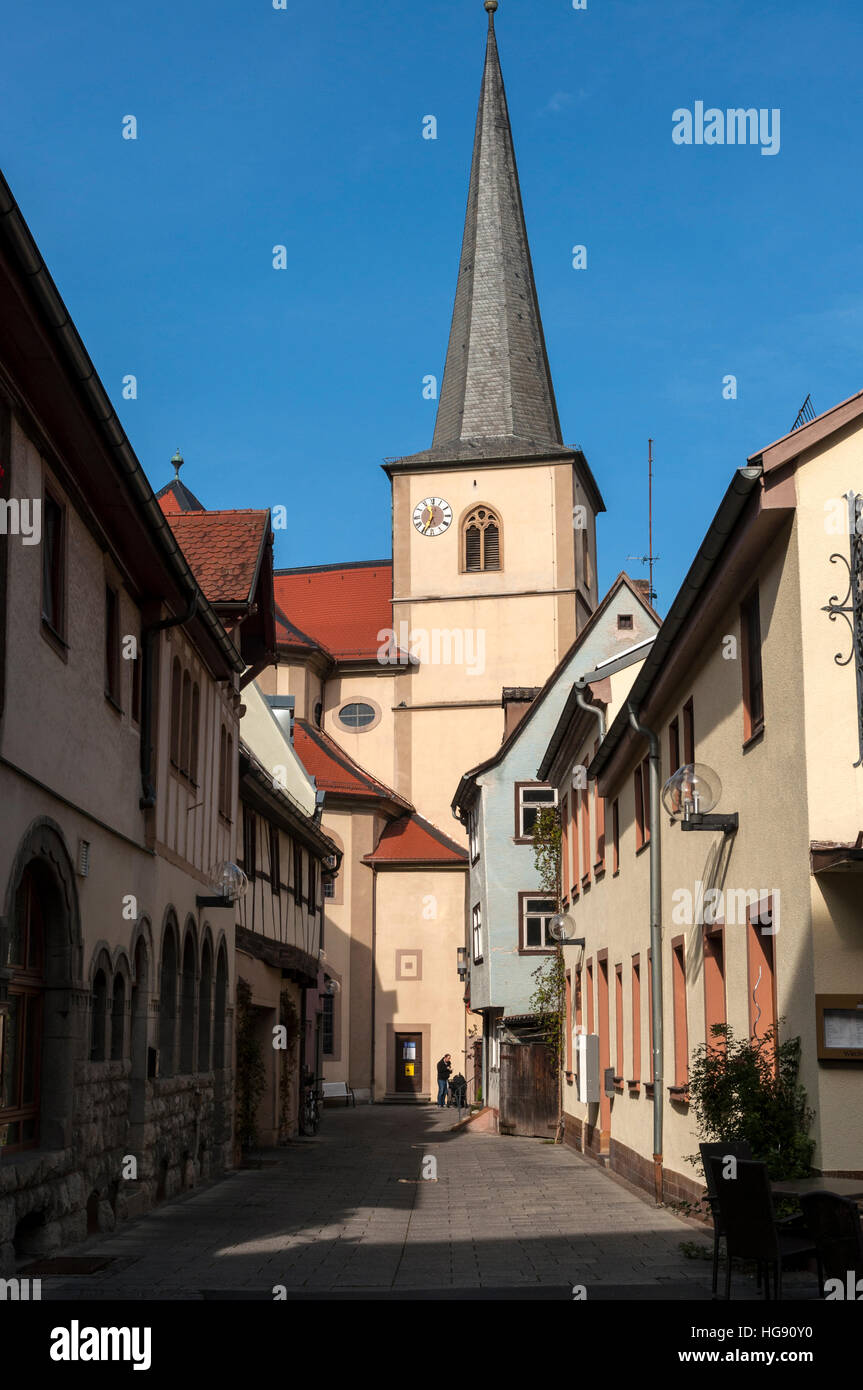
[491,6]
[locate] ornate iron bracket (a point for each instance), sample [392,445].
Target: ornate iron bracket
[851,607]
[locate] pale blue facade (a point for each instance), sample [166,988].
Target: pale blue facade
[501,981]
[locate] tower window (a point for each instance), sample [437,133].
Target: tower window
[481,545]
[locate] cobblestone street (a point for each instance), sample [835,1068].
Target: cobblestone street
[347,1213]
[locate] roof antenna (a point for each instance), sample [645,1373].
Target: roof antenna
[804,415]
[649,559]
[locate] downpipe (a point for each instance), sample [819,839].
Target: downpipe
[655,945]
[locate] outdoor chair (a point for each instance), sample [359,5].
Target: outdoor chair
[739,1150]
[749,1223]
[834,1224]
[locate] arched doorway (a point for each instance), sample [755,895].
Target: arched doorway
[40,963]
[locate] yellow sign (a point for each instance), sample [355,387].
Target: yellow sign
[409,1068]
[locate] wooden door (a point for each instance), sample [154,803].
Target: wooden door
[528,1090]
[409,1063]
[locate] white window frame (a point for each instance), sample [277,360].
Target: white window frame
[473,835]
[526,899]
[532,787]
[476,932]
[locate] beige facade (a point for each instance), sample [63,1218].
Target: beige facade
[776,935]
[282,969]
[115,981]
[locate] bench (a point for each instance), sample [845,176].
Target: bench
[338,1090]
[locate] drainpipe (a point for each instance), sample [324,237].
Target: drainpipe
[580,687]
[148,640]
[655,945]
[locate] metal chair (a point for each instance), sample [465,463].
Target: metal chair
[738,1150]
[834,1224]
[749,1223]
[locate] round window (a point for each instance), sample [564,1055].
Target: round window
[356,716]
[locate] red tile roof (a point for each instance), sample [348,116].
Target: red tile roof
[413,840]
[334,771]
[342,607]
[224,549]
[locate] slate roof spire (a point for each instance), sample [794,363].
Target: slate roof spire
[497,396]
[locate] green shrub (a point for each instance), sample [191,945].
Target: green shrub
[748,1089]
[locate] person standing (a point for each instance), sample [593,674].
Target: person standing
[443,1075]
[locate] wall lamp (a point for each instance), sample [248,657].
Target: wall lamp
[689,796]
[562,929]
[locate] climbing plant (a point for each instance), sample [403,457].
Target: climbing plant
[290,1021]
[548,1000]
[546,852]
[251,1074]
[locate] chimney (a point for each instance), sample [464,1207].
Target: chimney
[643,587]
[516,701]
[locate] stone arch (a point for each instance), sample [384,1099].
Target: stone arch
[188,995]
[205,1000]
[141,993]
[168,971]
[220,1021]
[101,985]
[120,1004]
[43,852]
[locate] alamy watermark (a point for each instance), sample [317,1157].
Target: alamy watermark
[733,126]
[433,646]
[729,906]
[21,516]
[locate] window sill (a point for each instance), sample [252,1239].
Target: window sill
[648,1089]
[642,847]
[118,709]
[55,641]
[679,1094]
[634,1087]
[598,872]
[536,950]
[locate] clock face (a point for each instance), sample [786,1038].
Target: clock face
[432,516]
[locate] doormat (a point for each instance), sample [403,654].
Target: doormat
[66,1264]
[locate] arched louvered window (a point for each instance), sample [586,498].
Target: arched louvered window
[176,685]
[194,732]
[186,723]
[481,545]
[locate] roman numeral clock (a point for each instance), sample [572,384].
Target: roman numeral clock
[432,516]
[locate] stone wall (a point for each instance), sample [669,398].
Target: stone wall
[50,1200]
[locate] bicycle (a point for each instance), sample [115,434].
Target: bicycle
[310,1115]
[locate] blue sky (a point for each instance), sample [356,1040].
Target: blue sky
[303,127]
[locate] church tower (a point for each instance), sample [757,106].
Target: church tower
[494,536]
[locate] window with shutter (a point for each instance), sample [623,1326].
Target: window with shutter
[492,548]
[473,550]
[482,540]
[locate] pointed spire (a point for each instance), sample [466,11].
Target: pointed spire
[497,384]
